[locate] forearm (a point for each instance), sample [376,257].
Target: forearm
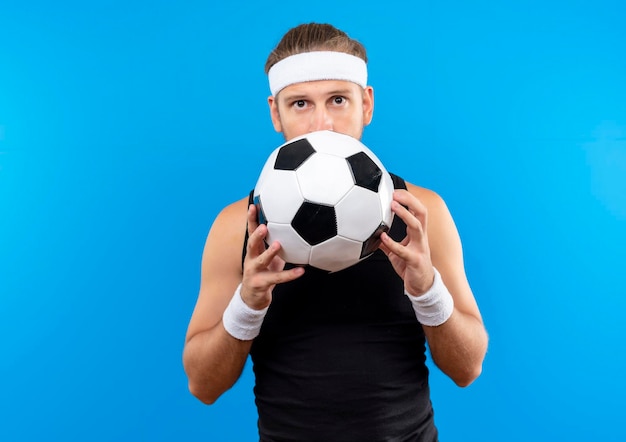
[213,361]
[458,347]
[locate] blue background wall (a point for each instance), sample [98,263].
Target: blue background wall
[126,126]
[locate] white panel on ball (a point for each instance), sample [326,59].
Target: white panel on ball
[324,178]
[285,184]
[335,254]
[385,193]
[294,250]
[268,170]
[358,214]
[333,143]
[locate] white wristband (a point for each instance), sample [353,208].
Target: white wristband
[241,321]
[434,307]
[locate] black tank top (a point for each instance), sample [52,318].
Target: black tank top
[341,357]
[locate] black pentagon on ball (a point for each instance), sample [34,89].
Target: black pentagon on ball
[372,243]
[292,155]
[365,171]
[315,223]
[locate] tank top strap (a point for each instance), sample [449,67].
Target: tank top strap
[245,239]
[398,227]
[398,183]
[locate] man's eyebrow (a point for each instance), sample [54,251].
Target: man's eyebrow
[341,92]
[298,96]
[294,97]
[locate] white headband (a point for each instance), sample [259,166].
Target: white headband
[317,65]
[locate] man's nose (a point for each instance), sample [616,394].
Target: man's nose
[321,120]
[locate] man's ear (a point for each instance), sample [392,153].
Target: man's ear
[273,104]
[368,105]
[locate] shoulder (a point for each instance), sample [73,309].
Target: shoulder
[234,208]
[221,259]
[221,266]
[441,228]
[225,240]
[443,236]
[233,216]
[431,199]
[224,243]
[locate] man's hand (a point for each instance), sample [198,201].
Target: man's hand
[410,257]
[262,267]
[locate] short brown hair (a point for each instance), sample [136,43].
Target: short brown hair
[311,37]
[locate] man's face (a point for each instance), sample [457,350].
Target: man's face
[340,106]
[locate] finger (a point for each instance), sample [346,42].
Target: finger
[256,242]
[253,220]
[263,281]
[265,259]
[382,245]
[288,275]
[413,204]
[389,246]
[410,219]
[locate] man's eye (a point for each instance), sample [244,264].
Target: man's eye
[339,100]
[299,103]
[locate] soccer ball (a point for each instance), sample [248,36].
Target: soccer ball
[326,198]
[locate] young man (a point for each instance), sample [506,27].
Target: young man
[340,356]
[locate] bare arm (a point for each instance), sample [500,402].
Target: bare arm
[459,345]
[213,362]
[212,358]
